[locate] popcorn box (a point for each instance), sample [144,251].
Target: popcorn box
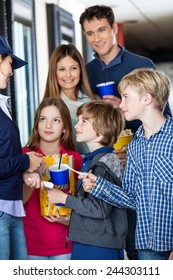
[124,139]
[46,207]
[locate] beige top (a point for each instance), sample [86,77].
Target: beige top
[73,106]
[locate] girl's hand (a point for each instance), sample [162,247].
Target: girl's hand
[64,220]
[121,154]
[32,179]
[56,196]
[43,168]
[88,181]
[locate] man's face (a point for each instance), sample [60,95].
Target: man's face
[100,35]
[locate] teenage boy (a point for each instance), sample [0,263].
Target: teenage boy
[148,181]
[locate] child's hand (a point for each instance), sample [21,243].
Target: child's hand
[64,220]
[32,180]
[43,168]
[88,181]
[121,154]
[56,196]
[82,175]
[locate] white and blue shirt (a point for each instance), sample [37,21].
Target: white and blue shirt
[147,187]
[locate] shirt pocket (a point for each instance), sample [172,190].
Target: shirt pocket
[163,175]
[2,214]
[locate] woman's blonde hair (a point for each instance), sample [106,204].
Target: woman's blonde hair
[146,80]
[66,138]
[106,120]
[52,86]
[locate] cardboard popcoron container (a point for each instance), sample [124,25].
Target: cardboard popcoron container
[46,207]
[124,139]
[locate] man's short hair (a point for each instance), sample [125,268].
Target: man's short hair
[99,12]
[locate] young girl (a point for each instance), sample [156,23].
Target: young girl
[51,134]
[97,229]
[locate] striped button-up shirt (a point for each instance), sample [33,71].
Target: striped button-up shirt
[147,187]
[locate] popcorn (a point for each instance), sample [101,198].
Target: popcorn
[124,139]
[126,132]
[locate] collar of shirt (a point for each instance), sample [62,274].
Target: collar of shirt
[117,60]
[165,128]
[81,97]
[3,105]
[89,156]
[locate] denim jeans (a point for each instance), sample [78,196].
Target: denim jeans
[58,257]
[153,255]
[12,238]
[90,252]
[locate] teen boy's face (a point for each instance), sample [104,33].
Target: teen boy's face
[86,133]
[50,126]
[132,105]
[100,35]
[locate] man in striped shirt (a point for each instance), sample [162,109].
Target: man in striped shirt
[148,179]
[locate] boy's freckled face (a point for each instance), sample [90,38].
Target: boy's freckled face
[132,104]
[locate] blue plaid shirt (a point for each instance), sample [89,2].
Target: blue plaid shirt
[147,187]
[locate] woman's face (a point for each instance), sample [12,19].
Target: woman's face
[5,71]
[50,125]
[68,73]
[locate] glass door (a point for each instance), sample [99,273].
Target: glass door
[25,78]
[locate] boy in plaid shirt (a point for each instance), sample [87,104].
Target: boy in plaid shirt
[148,179]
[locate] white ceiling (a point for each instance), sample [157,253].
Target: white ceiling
[148,24]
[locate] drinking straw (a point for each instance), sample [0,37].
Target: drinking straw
[60,159]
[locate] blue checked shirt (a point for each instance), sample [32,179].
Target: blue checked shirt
[147,187]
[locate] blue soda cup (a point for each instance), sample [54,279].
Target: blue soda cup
[60,178]
[106,89]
